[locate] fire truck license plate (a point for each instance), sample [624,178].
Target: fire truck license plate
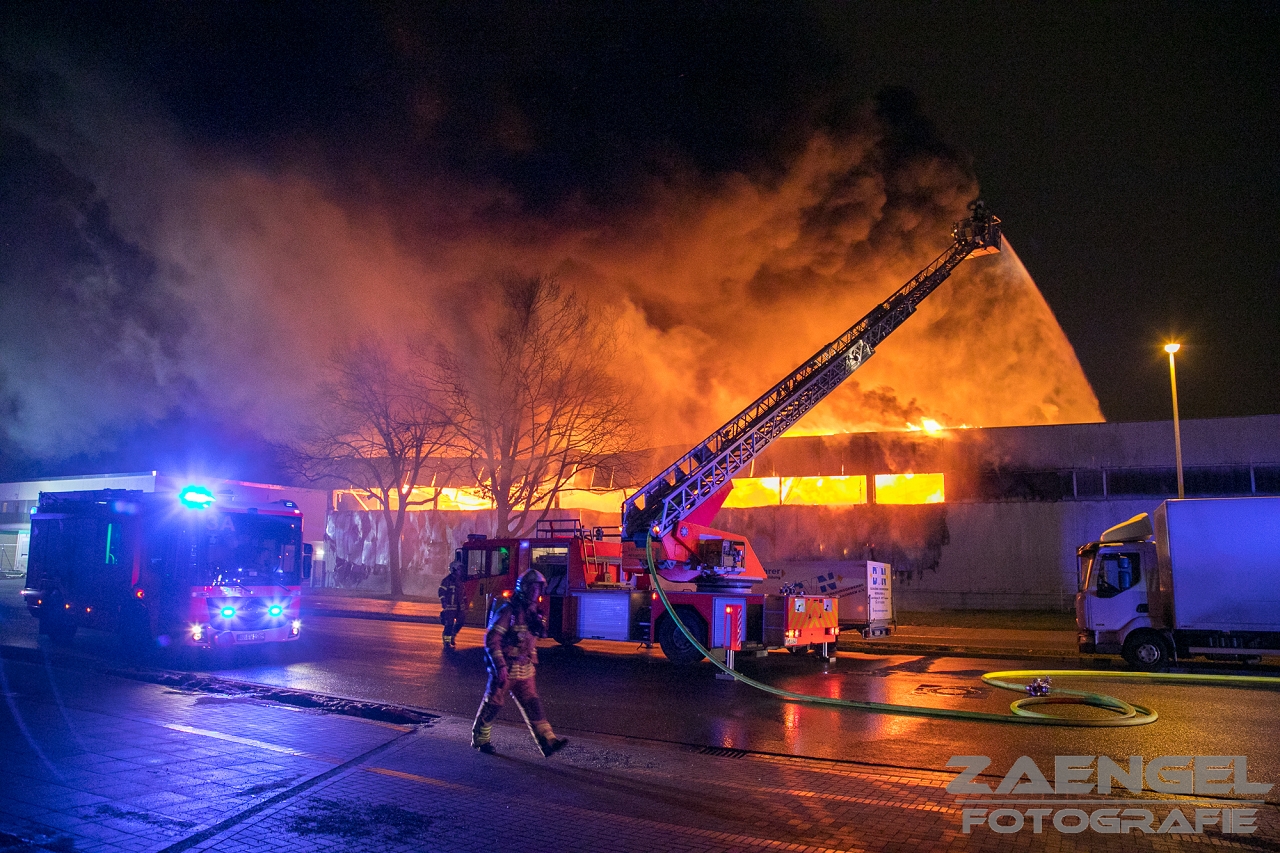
[246,637]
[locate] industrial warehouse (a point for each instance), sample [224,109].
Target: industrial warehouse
[996,524]
[985,519]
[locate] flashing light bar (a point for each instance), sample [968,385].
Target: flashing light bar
[196,497]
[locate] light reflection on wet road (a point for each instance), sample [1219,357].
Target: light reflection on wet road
[615,689]
[611,688]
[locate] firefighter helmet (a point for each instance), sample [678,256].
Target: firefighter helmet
[528,579]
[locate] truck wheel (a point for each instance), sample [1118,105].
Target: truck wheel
[675,645]
[1147,651]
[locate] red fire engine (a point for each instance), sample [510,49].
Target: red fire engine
[180,569]
[599,586]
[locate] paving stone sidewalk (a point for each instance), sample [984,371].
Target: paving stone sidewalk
[93,762]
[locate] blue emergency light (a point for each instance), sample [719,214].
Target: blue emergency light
[195,497]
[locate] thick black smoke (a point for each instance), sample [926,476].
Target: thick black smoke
[188,229]
[93,338]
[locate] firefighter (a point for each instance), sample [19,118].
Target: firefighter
[451,603]
[512,654]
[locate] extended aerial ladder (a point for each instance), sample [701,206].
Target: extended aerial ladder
[674,507]
[600,588]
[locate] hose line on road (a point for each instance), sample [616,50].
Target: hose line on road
[1122,713]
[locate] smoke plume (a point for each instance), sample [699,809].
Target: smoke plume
[147,273]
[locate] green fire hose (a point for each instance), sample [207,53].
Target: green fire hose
[1122,713]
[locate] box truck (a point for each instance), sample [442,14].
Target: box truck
[1201,578]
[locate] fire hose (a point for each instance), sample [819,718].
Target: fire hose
[1122,713]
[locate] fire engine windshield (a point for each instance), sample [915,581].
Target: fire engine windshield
[247,549]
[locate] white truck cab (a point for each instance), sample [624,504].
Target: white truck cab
[1112,602]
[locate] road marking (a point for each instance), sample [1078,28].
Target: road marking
[288,794]
[260,744]
[397,727]
[425,780]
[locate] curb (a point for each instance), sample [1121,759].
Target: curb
[21,653]
[382,712]
[965,651]
[30,655]
[362,614]
[869,648]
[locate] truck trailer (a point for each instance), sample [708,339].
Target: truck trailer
[170,569]
[1202,578]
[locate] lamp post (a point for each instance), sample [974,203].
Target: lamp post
[1177,434]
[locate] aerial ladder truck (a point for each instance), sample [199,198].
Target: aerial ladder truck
[599,586]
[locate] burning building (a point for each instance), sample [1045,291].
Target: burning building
[968,518]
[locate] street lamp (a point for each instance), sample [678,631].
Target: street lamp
[1177,434]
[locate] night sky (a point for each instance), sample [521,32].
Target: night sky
[1133,152]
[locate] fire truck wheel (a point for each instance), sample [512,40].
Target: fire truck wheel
[675,645]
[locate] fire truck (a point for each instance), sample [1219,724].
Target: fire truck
[599,585]
[179,569]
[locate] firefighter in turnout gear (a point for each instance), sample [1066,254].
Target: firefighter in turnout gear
[512,655]
[451,603]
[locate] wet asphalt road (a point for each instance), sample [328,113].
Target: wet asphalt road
[616,689]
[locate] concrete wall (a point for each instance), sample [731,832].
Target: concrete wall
[1012,556]
[986,556]
[989,556]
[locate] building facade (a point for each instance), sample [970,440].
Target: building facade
[968,518]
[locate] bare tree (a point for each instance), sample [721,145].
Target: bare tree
[377,428]
[529,391]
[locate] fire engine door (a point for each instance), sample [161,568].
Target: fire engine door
[488,575]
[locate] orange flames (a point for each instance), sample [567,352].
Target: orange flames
[748,493]
[909,489]
[797,491]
